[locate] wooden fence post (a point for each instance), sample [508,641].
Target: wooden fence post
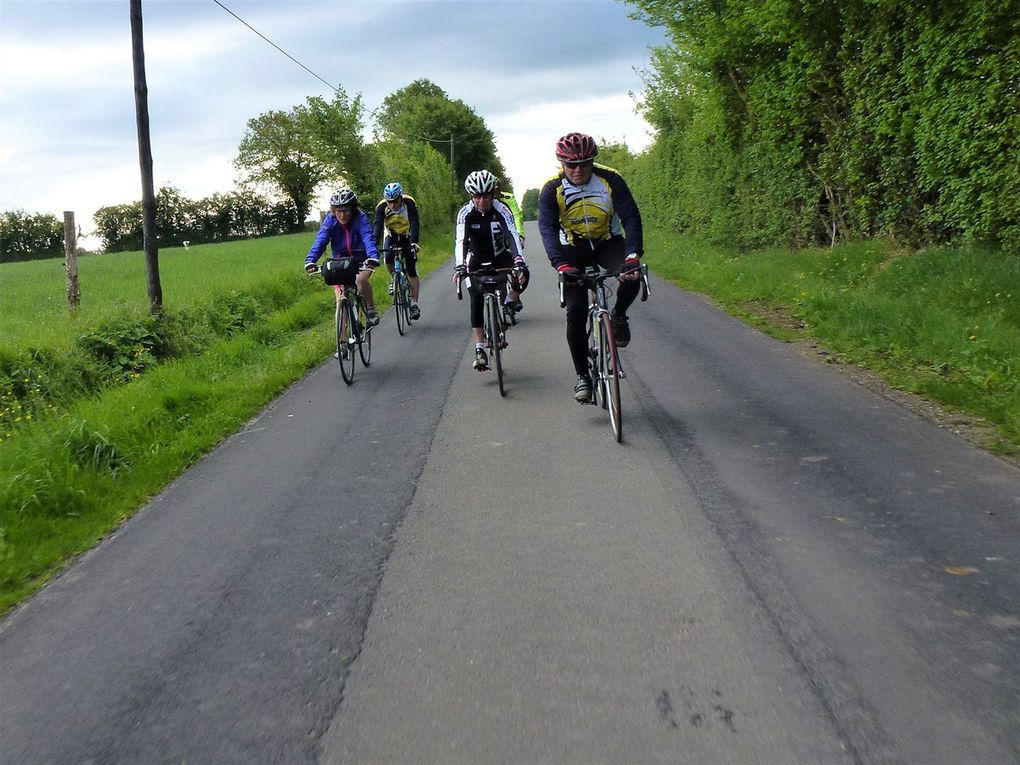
[71,261]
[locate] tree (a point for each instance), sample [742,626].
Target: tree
[277,149]
[529,204]
[423,173]
[26,236]
[422,111]
[333,130]
[119,227]
[175,217]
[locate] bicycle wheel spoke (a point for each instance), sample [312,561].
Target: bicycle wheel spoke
[492,319]
[398,304]
[344,349]
[610,363]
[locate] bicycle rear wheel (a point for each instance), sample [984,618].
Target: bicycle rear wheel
[400,302]
[344,348]
[495,331]
[364,335]
[609,361]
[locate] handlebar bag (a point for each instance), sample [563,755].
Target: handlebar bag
[337,271]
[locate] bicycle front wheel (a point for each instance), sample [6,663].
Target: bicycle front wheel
[495,333]
[364,335]
[400,302]
[344,341]
[609,362]
[593,364]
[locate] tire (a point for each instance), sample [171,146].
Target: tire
[494,329]
[365,340]
[406,300]
[400,303]
[593,367]
[609,360]
[344,349]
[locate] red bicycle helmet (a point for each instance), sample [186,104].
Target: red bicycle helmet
[576,147]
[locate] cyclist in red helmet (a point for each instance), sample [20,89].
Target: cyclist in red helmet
[586,215]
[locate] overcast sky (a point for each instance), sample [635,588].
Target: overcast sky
[533,69]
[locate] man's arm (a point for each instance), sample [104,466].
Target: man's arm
[365,232]
[626,207]
[510,231]
[549,221]
[377,222]
[459,237]
[412,218]
[321,239]
[511,201]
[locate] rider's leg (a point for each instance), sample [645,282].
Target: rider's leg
[481,360]
[575,299]
[365,289]
[412,274]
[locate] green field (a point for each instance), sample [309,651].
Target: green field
[99,411]
[33,303]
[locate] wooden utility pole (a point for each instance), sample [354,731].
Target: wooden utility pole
[145,162]
[71,261]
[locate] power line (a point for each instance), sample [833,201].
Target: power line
[334,88]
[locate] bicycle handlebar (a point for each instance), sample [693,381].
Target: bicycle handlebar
[592,276]
[481,272]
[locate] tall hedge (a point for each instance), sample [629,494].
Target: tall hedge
[781,121]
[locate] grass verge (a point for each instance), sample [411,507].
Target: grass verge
[944,324]
[76,470]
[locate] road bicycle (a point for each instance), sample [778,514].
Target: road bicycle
[603,355]
[401,290]
[352,328]
[496,315]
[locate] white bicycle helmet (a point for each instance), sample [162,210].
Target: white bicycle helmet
[480,182]
[343,197]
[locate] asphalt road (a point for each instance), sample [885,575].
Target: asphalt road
[776,566]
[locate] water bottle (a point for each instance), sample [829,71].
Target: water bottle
[397,267]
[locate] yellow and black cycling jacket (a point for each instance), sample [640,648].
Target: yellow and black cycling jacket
[401,223]
[570,216]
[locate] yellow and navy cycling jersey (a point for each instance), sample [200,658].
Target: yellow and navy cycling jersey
[604,207]
[401,223]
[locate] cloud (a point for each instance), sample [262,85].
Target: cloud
[533,71]
[526,137]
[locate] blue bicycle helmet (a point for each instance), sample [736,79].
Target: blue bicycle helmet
[392,191]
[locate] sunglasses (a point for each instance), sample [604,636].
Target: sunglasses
[481,196]
[581,163]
